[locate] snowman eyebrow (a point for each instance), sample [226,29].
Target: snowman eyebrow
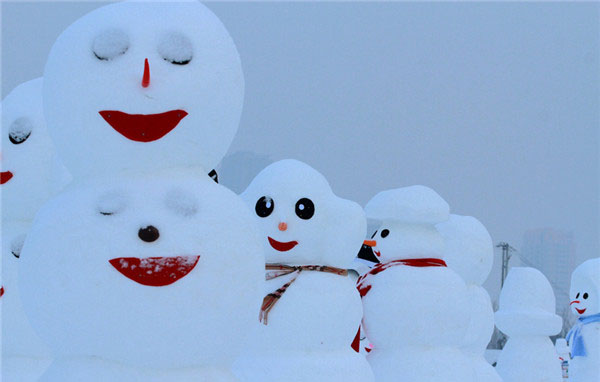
[374,233]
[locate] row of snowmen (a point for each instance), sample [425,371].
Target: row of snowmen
[138,266]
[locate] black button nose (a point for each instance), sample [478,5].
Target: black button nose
[149,234]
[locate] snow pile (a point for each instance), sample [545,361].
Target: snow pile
[584,338]
[469,251]
[527,316]
[311,327]
[30,176]
[97,64]
[415,315]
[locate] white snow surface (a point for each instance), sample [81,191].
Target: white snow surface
[85,309]
[399,240]
[469,250]
[414,204]
[78,85]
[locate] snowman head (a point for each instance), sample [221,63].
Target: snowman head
[143,86]
[408,216]
[150,260]
[585,285]
[469,250]
[300,218]
[29,173]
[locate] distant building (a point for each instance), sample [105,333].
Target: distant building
[553,253]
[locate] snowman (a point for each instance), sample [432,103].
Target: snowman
[144,259]
[311,310]
[469,251]
[416,310]
[30,175]
[527,316]
[584,337]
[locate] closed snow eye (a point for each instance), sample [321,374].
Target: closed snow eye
[181,203]
[111,203]
[110,44]
[305,208]
[20,130]
[176,49]
[264,206]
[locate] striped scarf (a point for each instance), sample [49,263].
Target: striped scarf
[278,270]
[363,283]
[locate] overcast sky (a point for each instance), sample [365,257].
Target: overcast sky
[495,106]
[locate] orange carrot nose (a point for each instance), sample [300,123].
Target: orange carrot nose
[370,243]
[282,226]
[146,77]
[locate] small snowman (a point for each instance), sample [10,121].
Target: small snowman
[527,316]
[144,257]
[311,310]
[416,310]
[469,251]
[30,175]
[584,337]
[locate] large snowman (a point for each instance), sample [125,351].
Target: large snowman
[30,175]
[469,251]
[145,268]
[311,310]
[416,311]
[584,337]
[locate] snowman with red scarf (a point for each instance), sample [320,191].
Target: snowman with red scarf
[415,307]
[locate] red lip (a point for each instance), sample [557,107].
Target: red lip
[143,127]
[5,176]
[282,247]
[581,311]
[155,271]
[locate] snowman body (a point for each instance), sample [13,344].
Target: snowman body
[585,305]
[308,332]
[31,174]
[415,312]
[526,315]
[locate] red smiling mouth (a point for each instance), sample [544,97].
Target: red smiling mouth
[143,127]
[155,271]
[282,247]
[581,311]
[5,176]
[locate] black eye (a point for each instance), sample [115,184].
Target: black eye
[110,44]
[385,232]
[585,296]
[577,295]
[264,206]
[176,49]
[305,208]
[20,130]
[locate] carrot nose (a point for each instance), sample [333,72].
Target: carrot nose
[282,226]
[370,243]
[146,77]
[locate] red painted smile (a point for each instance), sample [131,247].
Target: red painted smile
[282,247]
[155,271]
[143,127]
[581,311]
[5,176]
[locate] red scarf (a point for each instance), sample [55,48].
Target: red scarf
[364,286]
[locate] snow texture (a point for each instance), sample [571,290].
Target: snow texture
[78,85]
[526,315]
[86,309]
[585,288]
[414,204]
[311,327]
